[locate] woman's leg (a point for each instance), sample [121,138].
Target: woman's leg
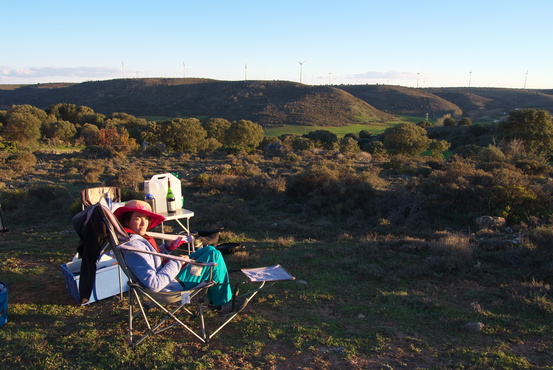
[218,294]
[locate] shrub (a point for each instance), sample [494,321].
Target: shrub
[533,167]
[129,178]
[349,145]
[184,135]
[374,147]
[323,139]
[116,141]
[406,138]
[48,193]
[9,146]
[95,151]
[480,129]
[468,151]
[21,161]
[438,147]
[490,154]
[533,127]
[92,175]
[329,188]
[424,124]
[89,133]
[540,238]
[451,252]
[12,198]
[244,135]
[458,193]
[302,143]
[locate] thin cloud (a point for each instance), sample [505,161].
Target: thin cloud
[390,75]
[38,72]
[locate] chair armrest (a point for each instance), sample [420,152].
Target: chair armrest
[167,256]
[162,235]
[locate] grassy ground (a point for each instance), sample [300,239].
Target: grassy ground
[379,300]
[374,128]
[339,314]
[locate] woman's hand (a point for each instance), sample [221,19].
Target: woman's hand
[180,240]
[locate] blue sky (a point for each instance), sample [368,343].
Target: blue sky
[427,43]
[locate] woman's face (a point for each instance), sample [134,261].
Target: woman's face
[139,223]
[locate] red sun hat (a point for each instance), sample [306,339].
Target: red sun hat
[141,207]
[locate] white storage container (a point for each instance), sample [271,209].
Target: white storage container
[110,279]
[157,186]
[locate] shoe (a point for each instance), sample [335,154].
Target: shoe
[231,307]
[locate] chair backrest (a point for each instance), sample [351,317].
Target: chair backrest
[99,232]
[92,196]
[116,236]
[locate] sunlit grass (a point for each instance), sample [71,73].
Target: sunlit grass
[374,128]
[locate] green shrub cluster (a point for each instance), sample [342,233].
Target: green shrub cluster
[328,188]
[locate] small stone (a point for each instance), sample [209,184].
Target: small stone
[474,326]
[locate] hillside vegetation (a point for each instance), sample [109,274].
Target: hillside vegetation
[403,100]
[272,103]
[264,102]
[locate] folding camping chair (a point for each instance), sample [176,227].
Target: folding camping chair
[92,196]
[176,307]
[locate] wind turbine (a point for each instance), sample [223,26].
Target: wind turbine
[301,69]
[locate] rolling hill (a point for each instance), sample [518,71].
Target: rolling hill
[265,102]
[272,103]
[482,101]
[403,100]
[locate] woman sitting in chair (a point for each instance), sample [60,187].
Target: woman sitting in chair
[137,217]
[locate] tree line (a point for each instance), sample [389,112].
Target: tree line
[121,133]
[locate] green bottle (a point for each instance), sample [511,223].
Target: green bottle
[171,202]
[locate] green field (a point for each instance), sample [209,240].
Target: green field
[375,128]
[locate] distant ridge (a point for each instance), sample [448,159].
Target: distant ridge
[495,99]
[271,103]
[265,102]
[403,100]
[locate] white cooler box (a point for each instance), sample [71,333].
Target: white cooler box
[110,279]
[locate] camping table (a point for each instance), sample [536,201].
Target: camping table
[180,214]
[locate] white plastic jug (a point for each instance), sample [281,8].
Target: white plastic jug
[157,186]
